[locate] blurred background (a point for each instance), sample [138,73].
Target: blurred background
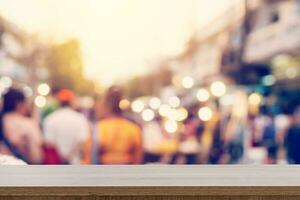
[150,82]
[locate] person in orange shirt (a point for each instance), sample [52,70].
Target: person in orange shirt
[119,140]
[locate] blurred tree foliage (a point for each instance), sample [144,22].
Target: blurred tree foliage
[149,84]
[65,68]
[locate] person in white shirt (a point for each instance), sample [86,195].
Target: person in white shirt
[67,130]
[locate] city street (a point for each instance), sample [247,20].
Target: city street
[98,82]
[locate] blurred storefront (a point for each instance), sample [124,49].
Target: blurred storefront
[203,54]
[274,42]
[274,39]
[275,31]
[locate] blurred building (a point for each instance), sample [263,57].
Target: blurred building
[274,39]
[22,55]
[202,58]
[275,30]
[270,41]
[11,42]
[251,40]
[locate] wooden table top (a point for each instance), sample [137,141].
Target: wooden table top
[150,180]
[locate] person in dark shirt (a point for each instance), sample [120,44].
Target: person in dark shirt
[292,140]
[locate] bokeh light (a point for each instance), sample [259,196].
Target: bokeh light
[40,101]
[155,103]
[269,80]
[218,88]
[182,114]
[205,113]
[171,126]
[291,72]
[203,95]
[137,106]
[43,89]
[6,82]
[187,82]
[255,99]
[148,115]
[124,104]
[164,110]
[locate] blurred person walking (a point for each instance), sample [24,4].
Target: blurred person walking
[292,140]
[67,130]
[120,140]
[20,134]
[189,146]
[269,139]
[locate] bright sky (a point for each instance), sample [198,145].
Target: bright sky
[119,38]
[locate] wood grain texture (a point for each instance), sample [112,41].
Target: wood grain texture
[160,193]
[150,191]
[151,198]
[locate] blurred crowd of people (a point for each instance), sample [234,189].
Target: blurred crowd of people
[65,133]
